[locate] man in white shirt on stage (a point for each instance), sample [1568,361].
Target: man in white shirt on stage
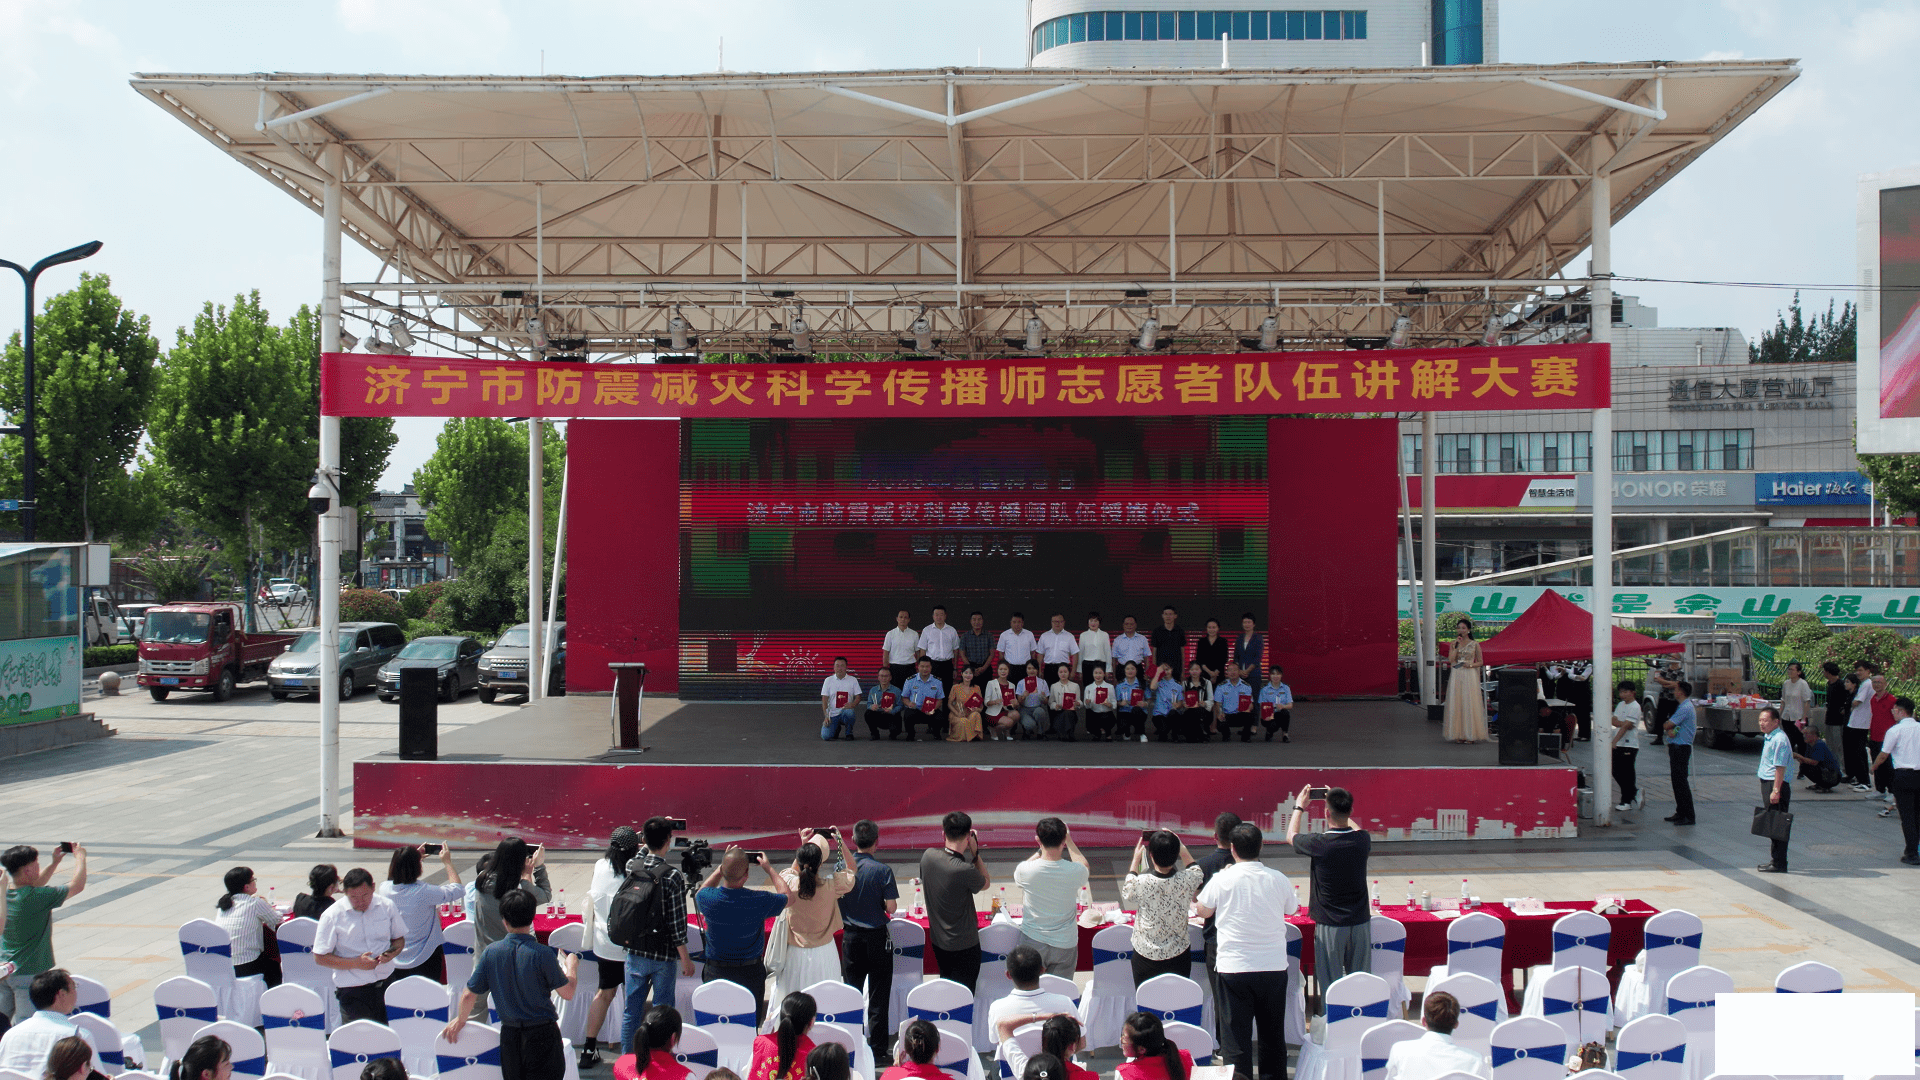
[837,695]
[938,642]
[900,649]
[1058,646]
[1434,1054]
[1016,645]
[1096,647]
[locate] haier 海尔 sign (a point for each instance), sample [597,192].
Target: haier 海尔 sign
[1811,489]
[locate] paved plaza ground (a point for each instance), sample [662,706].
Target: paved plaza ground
[191,787]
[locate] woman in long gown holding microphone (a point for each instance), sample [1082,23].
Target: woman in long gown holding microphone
[1466,715]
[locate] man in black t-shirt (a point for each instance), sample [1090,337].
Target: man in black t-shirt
[1342,915]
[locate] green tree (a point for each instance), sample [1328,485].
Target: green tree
[366,442]
[93,377]
[230,426]
[477,473]
[1794,339]
[1896,480]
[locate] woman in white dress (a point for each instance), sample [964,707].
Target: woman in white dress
[813,915]
[1796,696]
[1466,716]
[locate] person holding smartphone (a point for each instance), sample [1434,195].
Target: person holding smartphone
[419,905]
[516,865]
[1161,883]
[736,923]
[27,942]
[951,875]
[1342,914]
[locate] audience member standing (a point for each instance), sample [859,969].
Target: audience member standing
[737,924]
[813,914]
[651,959]
[1796,697]
[1342,915]
[1016,644]
[1169,640]
[1901,750]
[1839,704]
[1679,732]
[1434,1054]
[839,692]
[610,960]
[901,647]
[1877,728]
[514,866]
[25,1046]
[358,941]
[1859,721]
[951,875]
[419,905]
[322,880]
[1776,781]
[1050,881]
[1211,864]
[866,949]
[243,914]
[1096,647]
[976,648]
[522,976]
[939,643]
[27,941]
[1251,901]
[1161,883]
[1625,748]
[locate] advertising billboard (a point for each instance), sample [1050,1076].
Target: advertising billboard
[1888,349]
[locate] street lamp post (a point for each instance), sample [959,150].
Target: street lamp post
[28,276]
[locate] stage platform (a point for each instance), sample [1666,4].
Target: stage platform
[752,773]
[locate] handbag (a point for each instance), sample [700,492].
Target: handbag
[775,956]
[1772,823]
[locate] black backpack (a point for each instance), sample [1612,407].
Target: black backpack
[637,917]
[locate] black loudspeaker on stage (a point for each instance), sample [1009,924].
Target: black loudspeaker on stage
[1519,700]
[419,714]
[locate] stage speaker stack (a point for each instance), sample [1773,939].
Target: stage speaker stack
[1519,700]
[419,714]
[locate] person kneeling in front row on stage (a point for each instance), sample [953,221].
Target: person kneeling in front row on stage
[1166,698]
[1033,702]
[838,692]
[1130,705]
[1001,704]
[1193,714]
[966,707]
[1099,701]
[884,705]
[1276,705]
[926,702]
[1063,701]
[1233,705]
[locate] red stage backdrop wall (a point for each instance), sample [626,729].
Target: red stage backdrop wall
[623,551]
[570,805]
[1330,582]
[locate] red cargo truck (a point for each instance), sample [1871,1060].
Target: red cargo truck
[202,647]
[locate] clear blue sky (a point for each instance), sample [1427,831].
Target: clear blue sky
[87,158]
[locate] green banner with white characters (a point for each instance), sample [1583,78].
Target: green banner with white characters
[1728,606]
[39,679]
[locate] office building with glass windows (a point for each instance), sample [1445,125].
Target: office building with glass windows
[1257,34]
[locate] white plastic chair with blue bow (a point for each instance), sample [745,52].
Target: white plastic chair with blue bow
[1295,1024]
[1197,971]
[997,939]
[683,985]
[207,953]
[456,944]
[1379,1040]
[297,964]
[475,1057]
[184,1006]
[1578,1000]
[1671,946]
[1109,997]
[837,1003]
[1690,999]
[1475,942]
[909,943]
[1580,939]
[1171,998]
[1194,1039]
[109,1046]
[1389,960]
[90,996]
[1482,1005]
[296,1029]
[1528,1048]
[1810,977]
[573,1011]
[859,1054]
[956,1054]
[945,1004]
[354,1044]
[417,1008]
[698,1051]
[1651,1048]
[249,1049]
[1352,1005]
[725,1011]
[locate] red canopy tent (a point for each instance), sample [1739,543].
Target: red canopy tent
[1556,628]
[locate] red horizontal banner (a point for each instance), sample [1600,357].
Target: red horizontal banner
[1451,380]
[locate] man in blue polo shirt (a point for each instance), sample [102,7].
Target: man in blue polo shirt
[1233,705]
[736,924]
[1679,730]
[1776,781]
[867,949]
[922,688]
[521,975]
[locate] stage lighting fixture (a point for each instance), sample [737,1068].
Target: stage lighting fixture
[538,331]
[802,336]
[398,330]
[1492,336]
[1402,332]
[347,341]
[1269,333]
[1149,334]
[679,333]
[922,331]
[1036,334]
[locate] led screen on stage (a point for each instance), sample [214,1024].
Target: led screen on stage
[801,538]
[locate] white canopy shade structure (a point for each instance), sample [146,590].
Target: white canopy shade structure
[1333,202]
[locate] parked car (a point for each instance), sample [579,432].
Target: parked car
[503,670]
[134,618]
[364,647]
[454,659]
[397,594]
[286,592]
